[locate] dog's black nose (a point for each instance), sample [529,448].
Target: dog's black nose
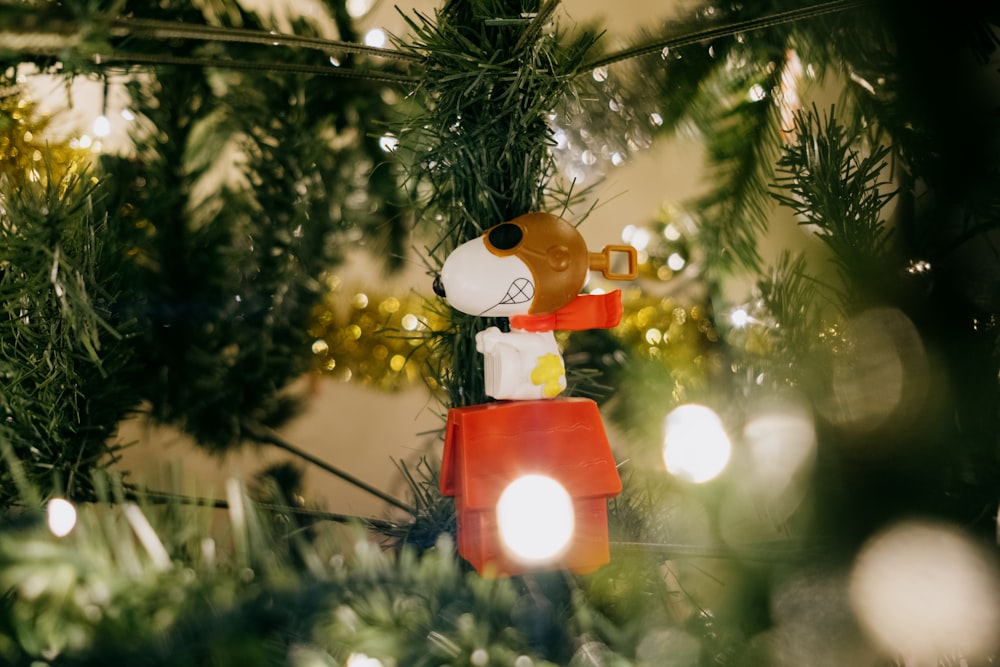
[438,287]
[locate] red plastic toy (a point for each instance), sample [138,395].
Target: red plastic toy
[491,445]
[531,270]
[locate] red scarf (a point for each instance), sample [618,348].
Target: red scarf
[586,311]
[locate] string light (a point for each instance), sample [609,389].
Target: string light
[388,142]
[779,440]
[637,237]
[61,516]
[362,660]
[696,447]
[358,8]
[739,318]
[101,126]
[535,518]
[924,589]
[375,37]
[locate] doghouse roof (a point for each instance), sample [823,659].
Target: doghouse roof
[488,446]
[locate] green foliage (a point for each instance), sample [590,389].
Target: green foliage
[63,337]
[491,78]
[492,74]
[742,144]
[829,183]
[250,188]
[206,321]
[140,584]
[737,87]
[433,513]
[246,184]
[804,325]
[839,184]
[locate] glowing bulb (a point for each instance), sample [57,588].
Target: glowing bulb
[62,516]
[739,318]
[375,37]
[535,518]
[756,93]
[410,321]
[695,444]
[559,136]
[925,589]
[358,8]
[102,126]
[637,237]
[388,142]
[362,660]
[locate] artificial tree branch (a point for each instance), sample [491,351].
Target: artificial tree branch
[167,30]
[166,497]
[131,58]
[728,29]
[264,435]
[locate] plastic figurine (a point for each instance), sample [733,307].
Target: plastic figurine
[531,270]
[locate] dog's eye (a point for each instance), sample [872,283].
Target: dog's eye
[505,236]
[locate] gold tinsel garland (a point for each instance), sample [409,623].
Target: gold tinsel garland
[381,340]
[26,152]
[377,339]
[664,328]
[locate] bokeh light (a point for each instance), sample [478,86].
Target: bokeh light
[535,518]
[101,126]
[375,37]
[778,451]
[668,647]
[696,447]
[388,142]
[780,441]
[676,261]
[61,516]
[924,589]
[358,8]
[881,379]
[637,237]
[362,660]
[739,318]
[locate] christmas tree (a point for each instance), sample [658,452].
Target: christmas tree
[803,393]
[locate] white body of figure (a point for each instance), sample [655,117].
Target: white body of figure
[521,365]
[529,269]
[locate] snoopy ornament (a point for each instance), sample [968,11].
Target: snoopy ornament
[530,270]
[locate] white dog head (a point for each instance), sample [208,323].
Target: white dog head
[536,263]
